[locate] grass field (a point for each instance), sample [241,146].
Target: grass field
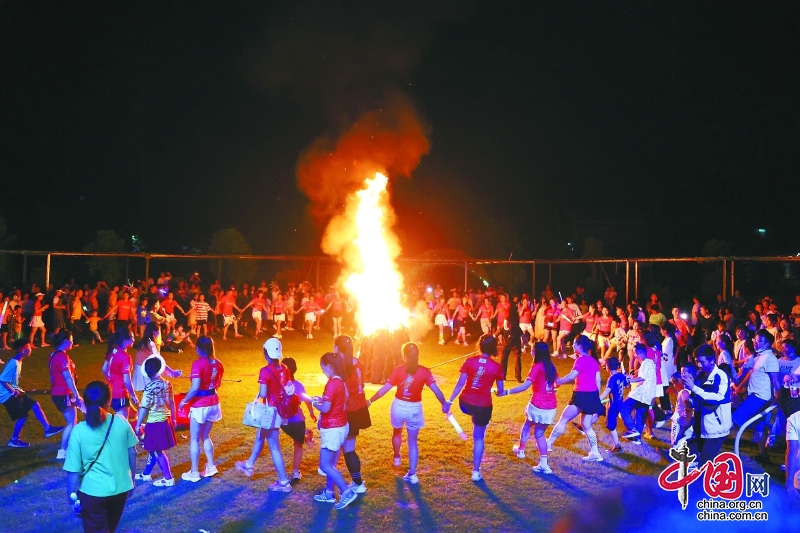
[512,498]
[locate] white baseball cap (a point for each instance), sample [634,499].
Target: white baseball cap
[161,370]
[273,348]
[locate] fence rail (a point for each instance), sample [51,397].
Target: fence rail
[727,281]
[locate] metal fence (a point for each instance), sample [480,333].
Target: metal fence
[673,279]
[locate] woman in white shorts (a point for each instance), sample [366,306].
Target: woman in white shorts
[204,410]
[406,411]
[333,430]
[441,317]
[541,411]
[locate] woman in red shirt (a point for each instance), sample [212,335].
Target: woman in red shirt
[273,380]
[441,313]
[333,430]
[463,310]
[204,410]
[604,323]
[64,387]
[279,314]
[36,323]
[478,373]
[117,370]
[551,313]
[585,396]
[357,408]
[541,411]
[337,308]
[406,411]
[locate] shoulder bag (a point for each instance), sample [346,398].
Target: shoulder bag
[97,456]
[260,415]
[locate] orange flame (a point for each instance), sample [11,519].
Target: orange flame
[347,183]
[376,281]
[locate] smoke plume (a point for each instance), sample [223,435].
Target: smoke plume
[391,140]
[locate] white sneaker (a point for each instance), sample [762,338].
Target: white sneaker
[519,453]
[542,469]
[210,471]
[194,477]
[142,477]
[411,478]
[358,489]
[441,343]
[476,475]
[396,461]
[595,457]
[61,455]
[297,476]
[164,482]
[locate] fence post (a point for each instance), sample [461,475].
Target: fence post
[24,269]
[627,281]
[725,279]
[47,274]
[146,270]
[733,263]
[636,280]
[466,273]
[533,280]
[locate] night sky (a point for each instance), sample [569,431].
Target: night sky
[171,120]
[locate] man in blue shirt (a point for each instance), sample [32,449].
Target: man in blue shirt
[17,403]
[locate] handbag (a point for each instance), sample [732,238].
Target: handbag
[260,415]
[96,457]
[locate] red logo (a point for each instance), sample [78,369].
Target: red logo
[723,477]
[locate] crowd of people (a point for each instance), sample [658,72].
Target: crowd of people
[703,371]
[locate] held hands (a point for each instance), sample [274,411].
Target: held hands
[446,407]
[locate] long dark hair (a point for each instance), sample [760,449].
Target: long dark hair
[149,335]
[587,344]
[117,339]
[205,347]
[96,396]
[411,357]
[541,354]
[334,361]
[291,365]
[344,344]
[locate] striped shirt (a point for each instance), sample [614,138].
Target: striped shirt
[202,309]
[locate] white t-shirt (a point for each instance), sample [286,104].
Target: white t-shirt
[667,359]
[788,366]
[796,313]
[645,391]
[793,427]
[760,383]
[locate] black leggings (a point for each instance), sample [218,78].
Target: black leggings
[101,515]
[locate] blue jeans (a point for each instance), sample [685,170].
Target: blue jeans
[751,406]
[639,409]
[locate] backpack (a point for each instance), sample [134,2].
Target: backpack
[288,403]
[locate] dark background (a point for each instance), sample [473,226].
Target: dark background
[666,125]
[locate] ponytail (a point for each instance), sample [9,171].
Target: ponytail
[96,396]
[411,356]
